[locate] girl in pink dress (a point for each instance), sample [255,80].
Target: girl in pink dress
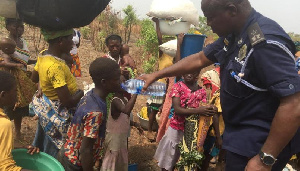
[118,124]
[186,96]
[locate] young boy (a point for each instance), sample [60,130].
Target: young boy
[86,133]
[8,98]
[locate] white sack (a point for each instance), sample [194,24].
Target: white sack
[184,9]
[169,47]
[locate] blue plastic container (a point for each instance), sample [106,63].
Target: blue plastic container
[192,43]
[133,167]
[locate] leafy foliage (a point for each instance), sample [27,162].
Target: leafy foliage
[148,39]
[149,65]
[129,20]
[149,43]
[2,23]
[85,32]
[192,159]
[294,36]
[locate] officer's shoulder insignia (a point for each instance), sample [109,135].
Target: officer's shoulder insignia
[255,34]
[242,53]
[226,42]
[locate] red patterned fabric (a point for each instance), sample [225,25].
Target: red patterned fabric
[88,127]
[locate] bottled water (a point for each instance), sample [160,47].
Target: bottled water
[134,86]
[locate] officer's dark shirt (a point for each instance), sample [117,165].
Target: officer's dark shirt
[248,113]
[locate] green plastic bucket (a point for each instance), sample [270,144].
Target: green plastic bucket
[37,162]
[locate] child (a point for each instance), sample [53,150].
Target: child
[186,96]
[8,98]
[213,141]
[118,125]
[84,143]
[25,87]
[8,48]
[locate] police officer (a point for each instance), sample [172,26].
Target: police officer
[259,85]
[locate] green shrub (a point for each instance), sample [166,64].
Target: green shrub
[149,65]
[2,22]
[148,39]
[100,41]
[85,32]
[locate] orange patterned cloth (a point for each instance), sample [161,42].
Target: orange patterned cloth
[164,117]
[25,87]
[76,68]
[203,127]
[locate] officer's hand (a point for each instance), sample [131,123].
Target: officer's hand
[255,164]
[148,78]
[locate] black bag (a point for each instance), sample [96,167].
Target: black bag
[60,14]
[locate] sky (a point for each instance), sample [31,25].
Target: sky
[286,13]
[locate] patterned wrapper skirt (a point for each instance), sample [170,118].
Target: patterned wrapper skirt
[76,68]
[25,87]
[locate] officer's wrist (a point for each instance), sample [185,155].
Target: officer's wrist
[266,158]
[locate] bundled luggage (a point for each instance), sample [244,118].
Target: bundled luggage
[53,14]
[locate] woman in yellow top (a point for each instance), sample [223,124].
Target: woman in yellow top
[60,94]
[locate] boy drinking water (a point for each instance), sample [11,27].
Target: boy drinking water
[86,133]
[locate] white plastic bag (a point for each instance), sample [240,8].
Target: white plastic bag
[184,9]
[169,47]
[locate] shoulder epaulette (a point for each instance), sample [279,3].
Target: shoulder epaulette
[255,34]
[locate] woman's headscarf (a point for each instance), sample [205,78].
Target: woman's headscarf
[50,35]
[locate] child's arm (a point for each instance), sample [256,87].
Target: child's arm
[217,131]
[118,105]
[7,63]
[66,98]
[35,76]
[31,61]
[86,150]
[202,110]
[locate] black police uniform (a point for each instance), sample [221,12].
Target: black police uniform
[250,100]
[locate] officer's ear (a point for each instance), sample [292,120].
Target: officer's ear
[232,9]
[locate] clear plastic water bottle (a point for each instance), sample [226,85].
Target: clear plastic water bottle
[134,86]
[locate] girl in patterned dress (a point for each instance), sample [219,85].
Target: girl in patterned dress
[186,95]
[16,63]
